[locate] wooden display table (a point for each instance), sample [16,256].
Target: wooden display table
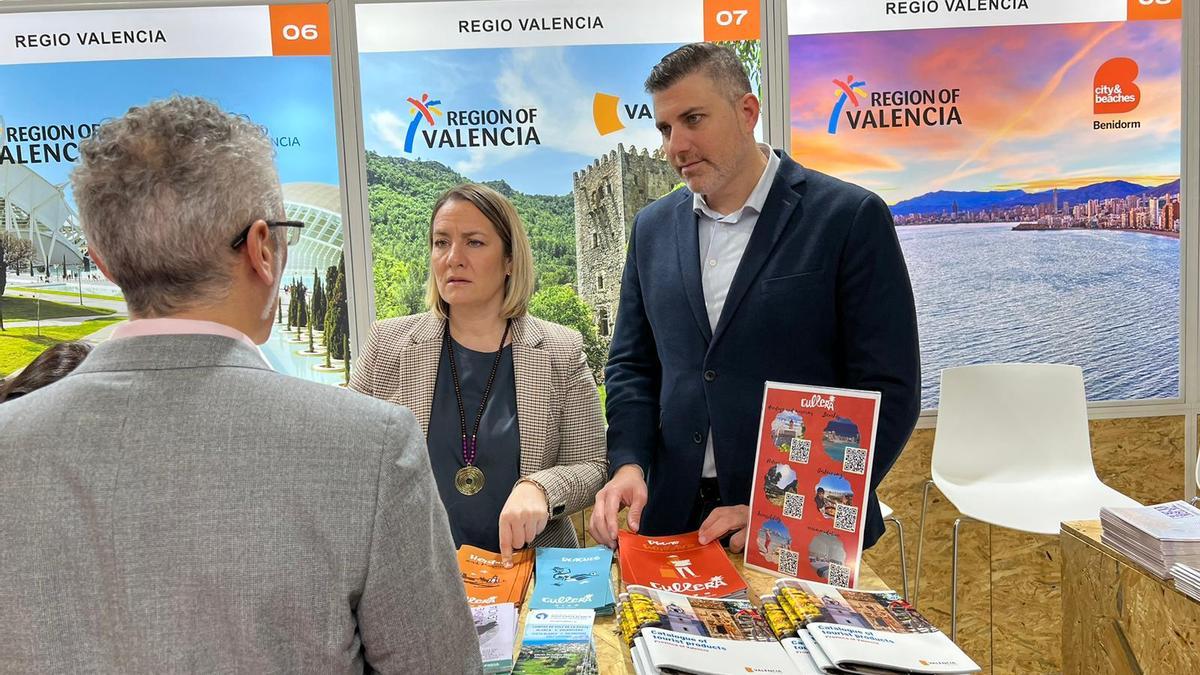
[612,656]
[1119,618]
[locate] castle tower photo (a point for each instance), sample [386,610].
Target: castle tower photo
[608,194]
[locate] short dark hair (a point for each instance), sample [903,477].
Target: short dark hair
[719,63]
[49,367]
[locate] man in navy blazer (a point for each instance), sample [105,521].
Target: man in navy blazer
[760,270]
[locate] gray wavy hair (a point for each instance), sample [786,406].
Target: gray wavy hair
[163,189]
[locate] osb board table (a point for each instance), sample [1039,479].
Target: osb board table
[1119,618]
[612,656]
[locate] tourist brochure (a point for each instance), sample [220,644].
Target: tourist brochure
[812,480]
[840,630]
[1156,537]
[488,581]
[1187,580]
[573,578]
[680,564]
[866,631]
[496,626]
[558,641]
[695,634]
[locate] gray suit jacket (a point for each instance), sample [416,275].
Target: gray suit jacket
[176,506]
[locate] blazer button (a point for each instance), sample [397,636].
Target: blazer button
[696,437]
[710,375]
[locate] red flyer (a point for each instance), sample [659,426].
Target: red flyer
[812,474]
[679,564]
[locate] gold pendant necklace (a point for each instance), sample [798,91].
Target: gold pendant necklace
[469,479]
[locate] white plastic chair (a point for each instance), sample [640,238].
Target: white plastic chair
[1012,449]
[890,515]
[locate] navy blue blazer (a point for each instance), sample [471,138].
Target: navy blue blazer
[821,297]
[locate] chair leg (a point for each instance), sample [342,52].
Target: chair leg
[921,543]
[903,561]
[954,581]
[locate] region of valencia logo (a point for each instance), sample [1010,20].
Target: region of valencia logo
[1113,87]
[847,90]
[421,109]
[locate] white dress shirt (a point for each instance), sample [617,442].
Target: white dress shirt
[723,240]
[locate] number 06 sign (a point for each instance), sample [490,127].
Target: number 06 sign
[300,30]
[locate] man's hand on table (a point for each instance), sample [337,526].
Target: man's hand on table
[722,521]
[627,488]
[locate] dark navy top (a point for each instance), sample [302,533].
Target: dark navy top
[474,519]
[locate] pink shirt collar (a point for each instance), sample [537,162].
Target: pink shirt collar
[144,327]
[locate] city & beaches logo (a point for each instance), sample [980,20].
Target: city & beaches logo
[1114,89]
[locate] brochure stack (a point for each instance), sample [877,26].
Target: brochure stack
[1156,537]
[489,582]
[804,627]
[574,578]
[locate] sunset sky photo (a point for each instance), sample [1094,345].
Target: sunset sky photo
[1025,102]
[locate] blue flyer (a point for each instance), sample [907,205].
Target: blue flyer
[573,578]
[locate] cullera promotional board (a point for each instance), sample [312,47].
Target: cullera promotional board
[812,480]
[63,73]
[1030,152]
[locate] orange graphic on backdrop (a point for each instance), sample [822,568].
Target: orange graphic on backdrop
[1154,10]
[1113,87]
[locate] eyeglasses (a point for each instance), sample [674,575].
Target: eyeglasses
[293,237]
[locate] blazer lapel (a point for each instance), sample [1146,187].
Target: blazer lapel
[531,370]
[687,246]
[782,200]
[419,362]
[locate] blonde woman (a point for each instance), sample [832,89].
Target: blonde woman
[509,407]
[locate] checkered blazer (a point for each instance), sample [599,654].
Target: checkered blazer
[558,408]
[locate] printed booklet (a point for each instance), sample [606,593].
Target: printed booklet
[573,578]
[678,563]
[812,479]
[1156,537]
[805,627]
[558,641]
[496,626]
[488,582]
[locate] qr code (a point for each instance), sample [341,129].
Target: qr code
[855,461]
[845,518]
[1173,511]
[800,449]
[788,561]
[793,505]
[839,575]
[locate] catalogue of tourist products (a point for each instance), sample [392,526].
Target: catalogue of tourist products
[804,627]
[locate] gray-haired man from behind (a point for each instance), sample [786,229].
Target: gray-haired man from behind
[174,505]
